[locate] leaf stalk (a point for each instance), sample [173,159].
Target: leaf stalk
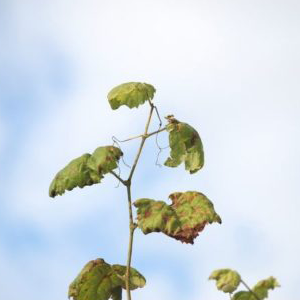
[125,182]
[141,135]
[249,289]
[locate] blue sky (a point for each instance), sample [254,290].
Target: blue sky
[231,70]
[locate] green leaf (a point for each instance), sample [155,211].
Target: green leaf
[104,159]
[186,146]
[85,170]
[243,295]
[131,94]
[227,280]
[260,289]
[99,280]
[183,219]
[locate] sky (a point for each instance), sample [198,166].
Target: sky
[228,68]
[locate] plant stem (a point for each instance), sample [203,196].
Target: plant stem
[131,231]
[127,183]
[248,288]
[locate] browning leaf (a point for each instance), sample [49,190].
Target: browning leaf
[186,146]
[99,280]
[85,170]
[183,219]
[131,94]
[227,280]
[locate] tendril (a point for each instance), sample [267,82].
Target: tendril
[117,142]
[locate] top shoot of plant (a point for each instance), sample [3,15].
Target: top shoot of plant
[182,220]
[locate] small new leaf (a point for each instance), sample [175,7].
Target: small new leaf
[131,94]
[183,219]
[227,280]
[261,290]
[99,280]
[85,170]
[186,146]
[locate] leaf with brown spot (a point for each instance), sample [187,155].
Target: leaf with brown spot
[188,214]
[99,280]
[85,170]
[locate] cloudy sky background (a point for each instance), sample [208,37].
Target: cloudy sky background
[229,68]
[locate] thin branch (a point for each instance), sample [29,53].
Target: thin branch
[129,139]
[157,113]
[155,132]
[118,177]
[248,288]
[138,136]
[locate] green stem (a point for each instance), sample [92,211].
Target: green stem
[131,231]
[248,288]
[127,183]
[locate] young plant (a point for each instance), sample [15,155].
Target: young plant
[228,280]
[182,220]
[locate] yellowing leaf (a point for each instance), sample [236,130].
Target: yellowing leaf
[131,94]
[260,289]
[85,170]
[183,219]
[186,146]
[227,280]
[136,279]
[99,280]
